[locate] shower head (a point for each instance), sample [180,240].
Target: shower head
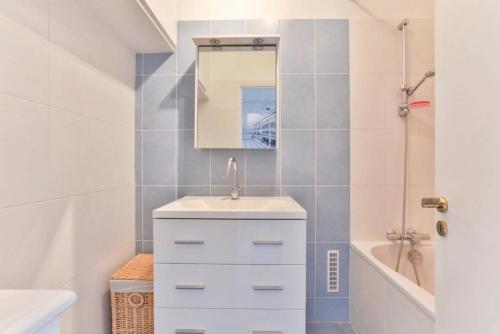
[427,75]
[430,74]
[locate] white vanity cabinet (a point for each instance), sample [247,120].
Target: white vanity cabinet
[226,274]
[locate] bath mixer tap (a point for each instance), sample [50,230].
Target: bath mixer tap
[232,168]
[411,235]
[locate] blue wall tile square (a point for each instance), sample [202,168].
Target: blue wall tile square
[138,247]
[297,101]
[332,101]
[262,191]
[297,157]
[193,165]
[332,309]
[138,213]
[306,197]
[147,247]
[333,159]
[138,102]
[332,46]
[218,167]
[158,157]
[159,63]
[153,198]
[185,101]
[224,191]
[328,328]
[332,214]
[310,309]
[193,191]
[322,269]
[159,107]
[262,167]
[186,49]
[138,64]
[269,26]
[310,271]
[227,27]
[297,46]
[138,157]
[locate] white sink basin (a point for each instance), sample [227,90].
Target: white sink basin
[211,207]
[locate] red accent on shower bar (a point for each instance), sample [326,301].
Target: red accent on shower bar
[420,104]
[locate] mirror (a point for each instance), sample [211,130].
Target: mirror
[236,97]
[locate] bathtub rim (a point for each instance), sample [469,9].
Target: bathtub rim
[424,300]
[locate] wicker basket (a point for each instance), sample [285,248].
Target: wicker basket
[132,302]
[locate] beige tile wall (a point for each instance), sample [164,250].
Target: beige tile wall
[377,132]
[262,9]
[66,154]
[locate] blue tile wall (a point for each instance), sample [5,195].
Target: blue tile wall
[298,99]
[311,165]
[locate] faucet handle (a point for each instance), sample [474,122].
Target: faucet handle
[411,231]
[392,235]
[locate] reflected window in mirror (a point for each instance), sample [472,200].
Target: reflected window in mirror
[259,117]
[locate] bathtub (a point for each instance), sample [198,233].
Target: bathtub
[384,301]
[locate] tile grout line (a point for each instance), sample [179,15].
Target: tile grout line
[245,173]
[60,109]
[142,154]
[210,191]
[315,311]
[280,147]
[177,133]
[52,199]
[349,165]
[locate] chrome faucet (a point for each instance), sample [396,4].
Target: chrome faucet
[232,168]
[411,235]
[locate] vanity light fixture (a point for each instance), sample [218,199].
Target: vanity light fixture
[258,41]
[237,40]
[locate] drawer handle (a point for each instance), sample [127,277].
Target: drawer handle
[189,331]
[189,242]
[268,287]
[268,242]
[189,287]
[267,332]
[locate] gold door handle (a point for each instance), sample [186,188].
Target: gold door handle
[439,203]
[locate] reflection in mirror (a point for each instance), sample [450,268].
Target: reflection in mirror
[259,117]
[236,97]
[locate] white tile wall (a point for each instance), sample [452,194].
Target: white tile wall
[66,154]
[226,9]
[377,132]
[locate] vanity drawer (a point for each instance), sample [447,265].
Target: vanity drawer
[200,321]
[230,241]
[230,286]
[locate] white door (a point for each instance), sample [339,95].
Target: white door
[468,165]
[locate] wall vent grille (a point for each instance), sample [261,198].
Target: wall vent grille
[333,271]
